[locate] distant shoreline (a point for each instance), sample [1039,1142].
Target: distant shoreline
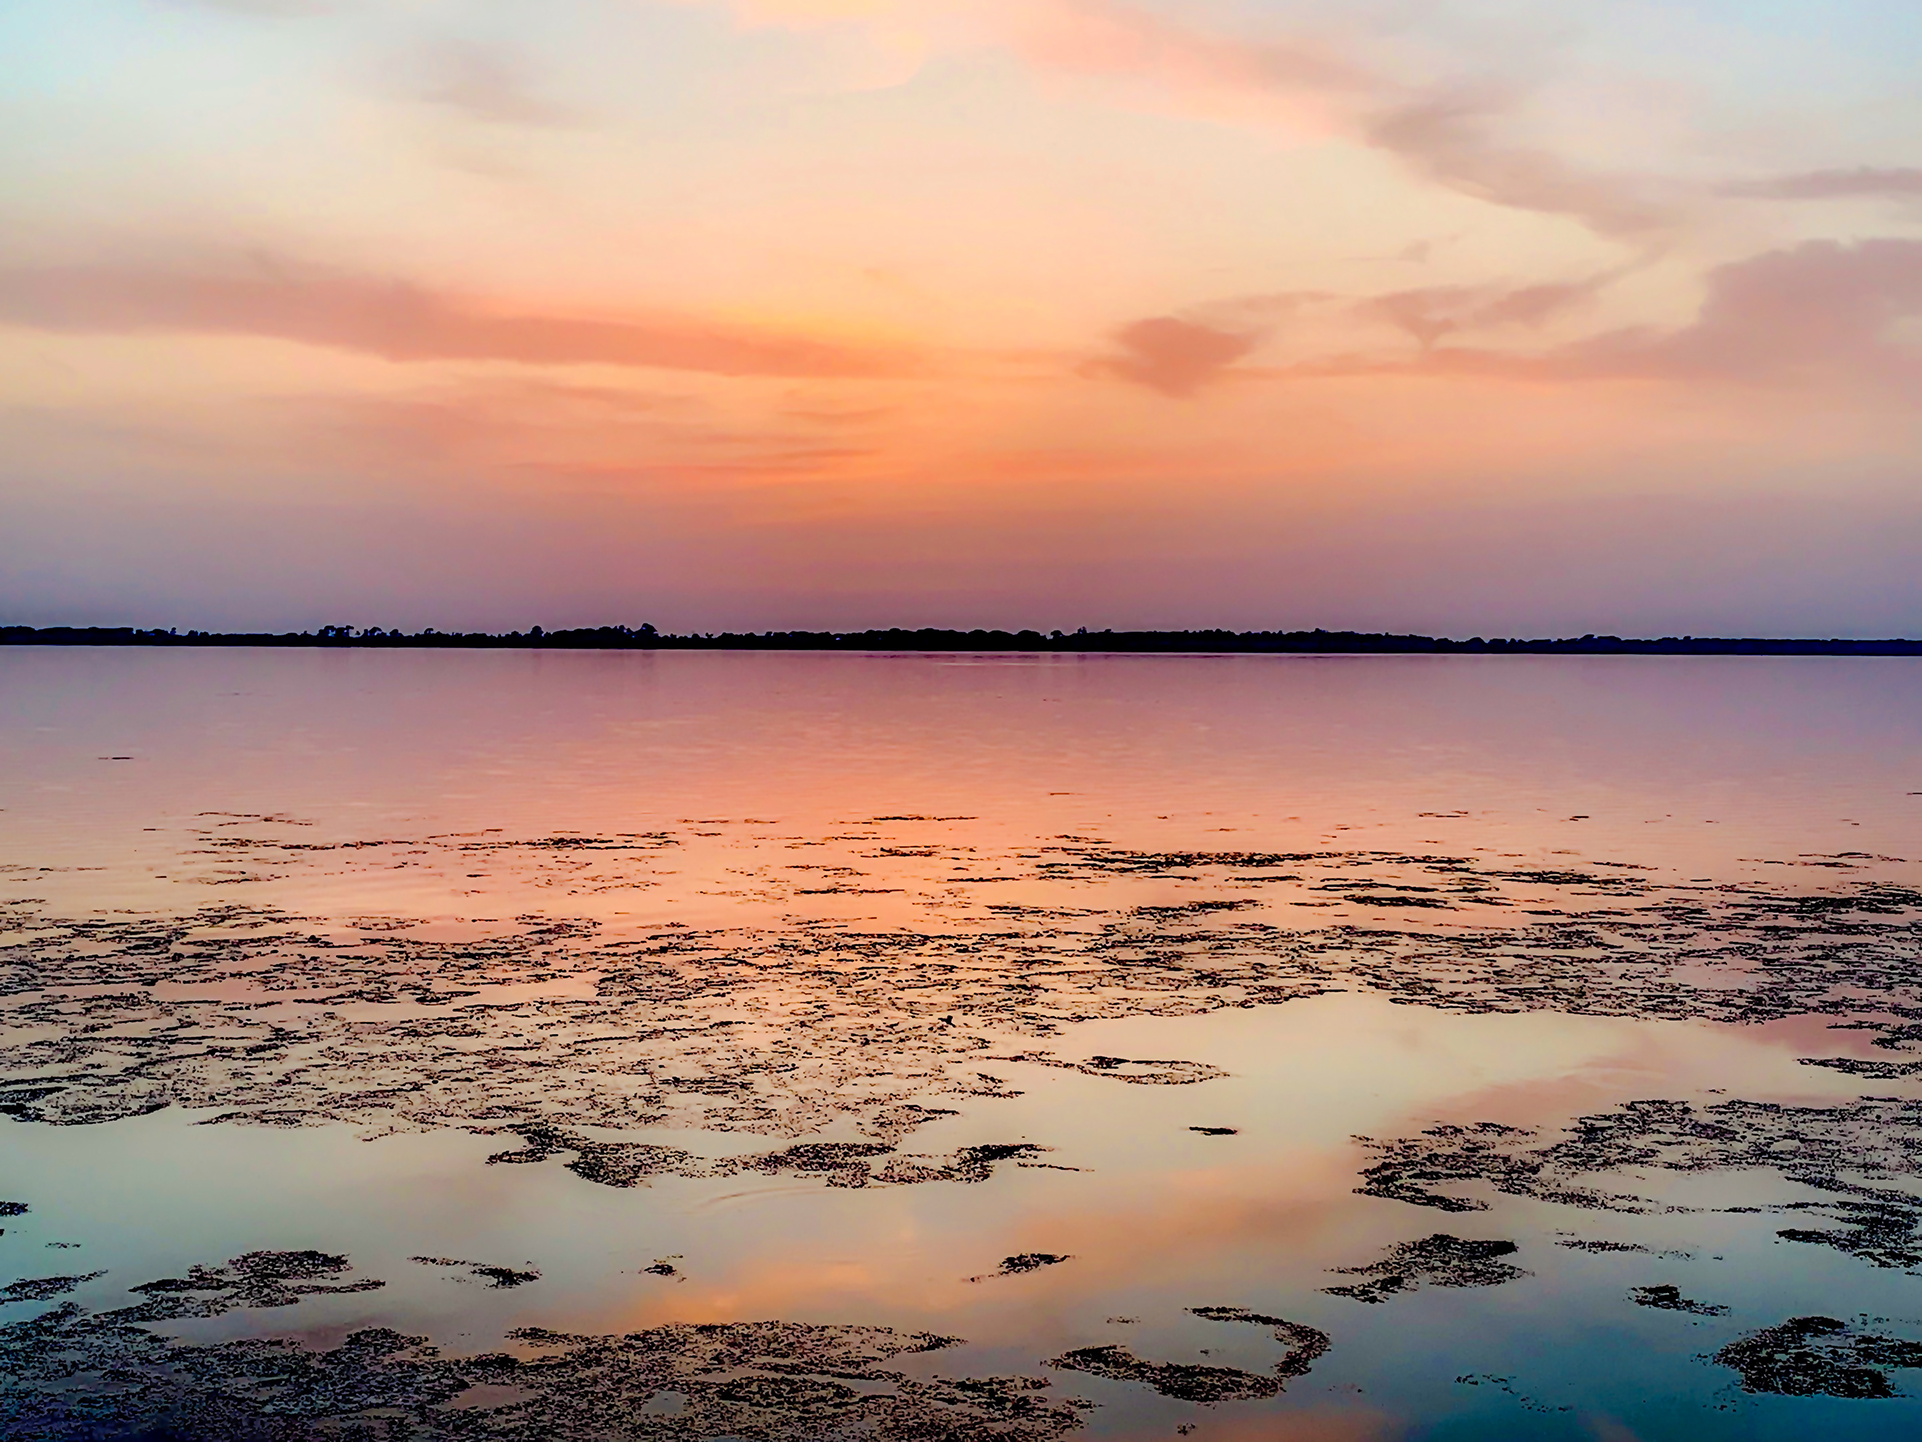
[646,638]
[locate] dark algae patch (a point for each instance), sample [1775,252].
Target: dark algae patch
[1885,1231]
[1184,1381]
[1120,1068]
[1819,1356]
[1666,1297]
[546,1026]
[1198,1382]
[1506,1386]
[70,1375]
[254,1279]
[1304,1343]
[505,1276]
[40,1289]
[1842,1151]
[1437,1261]
[1410,1170]
[1869,1067]
[496,1277]
[1024,1262]
[836,1164]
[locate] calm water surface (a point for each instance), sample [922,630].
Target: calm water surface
[626,1045]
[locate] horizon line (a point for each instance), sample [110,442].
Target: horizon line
[1199,641]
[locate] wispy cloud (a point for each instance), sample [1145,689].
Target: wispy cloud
[271,8]
[1429,313]
[1445,129]
[1810,317]
[401,321]
[1179,356]
[487,84]
[1448,138]
[1900,182]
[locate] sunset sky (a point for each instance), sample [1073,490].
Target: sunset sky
[1458,316]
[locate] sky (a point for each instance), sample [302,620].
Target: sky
[1466,317]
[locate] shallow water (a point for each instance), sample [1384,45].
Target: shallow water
[1236,1044]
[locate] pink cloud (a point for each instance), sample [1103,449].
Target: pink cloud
[1180,355]
[1820,313]
[1817,314]
[487,84]
[1431,312]
[1900,183]
[1446,138]
[1173,356]
[1819,310]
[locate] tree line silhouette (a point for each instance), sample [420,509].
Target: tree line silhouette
[647,638]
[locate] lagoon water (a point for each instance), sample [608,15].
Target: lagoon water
[688,1045]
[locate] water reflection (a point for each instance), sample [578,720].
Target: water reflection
[1131,1022]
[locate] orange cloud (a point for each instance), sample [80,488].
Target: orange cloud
[400,321]
[1108,37]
